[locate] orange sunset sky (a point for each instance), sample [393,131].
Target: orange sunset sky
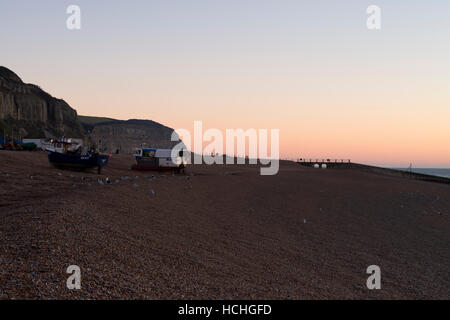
[311,69]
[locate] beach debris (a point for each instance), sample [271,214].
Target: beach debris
[152,192]
[304,220]
[100,182]
[316,166]
[137,177]
[117,181]
[107,180]
[135,185]
[324,166]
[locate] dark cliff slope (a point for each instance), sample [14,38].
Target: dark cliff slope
[28,111]
[126,135]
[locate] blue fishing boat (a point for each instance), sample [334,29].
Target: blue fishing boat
[66,154]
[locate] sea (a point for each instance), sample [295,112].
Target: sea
[440,172]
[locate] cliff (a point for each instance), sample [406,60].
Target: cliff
[111,135]
[31,112]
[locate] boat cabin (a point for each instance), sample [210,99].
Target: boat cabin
[158,159]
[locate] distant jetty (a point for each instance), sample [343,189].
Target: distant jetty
[347,164]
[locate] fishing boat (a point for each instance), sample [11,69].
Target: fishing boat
[158,160]
[63,153]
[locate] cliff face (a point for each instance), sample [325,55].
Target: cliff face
[30,111]
[125,136]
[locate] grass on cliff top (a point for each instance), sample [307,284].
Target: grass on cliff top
[94,120]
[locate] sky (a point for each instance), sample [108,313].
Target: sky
[311,69]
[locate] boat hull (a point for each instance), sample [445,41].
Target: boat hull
[77,161]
